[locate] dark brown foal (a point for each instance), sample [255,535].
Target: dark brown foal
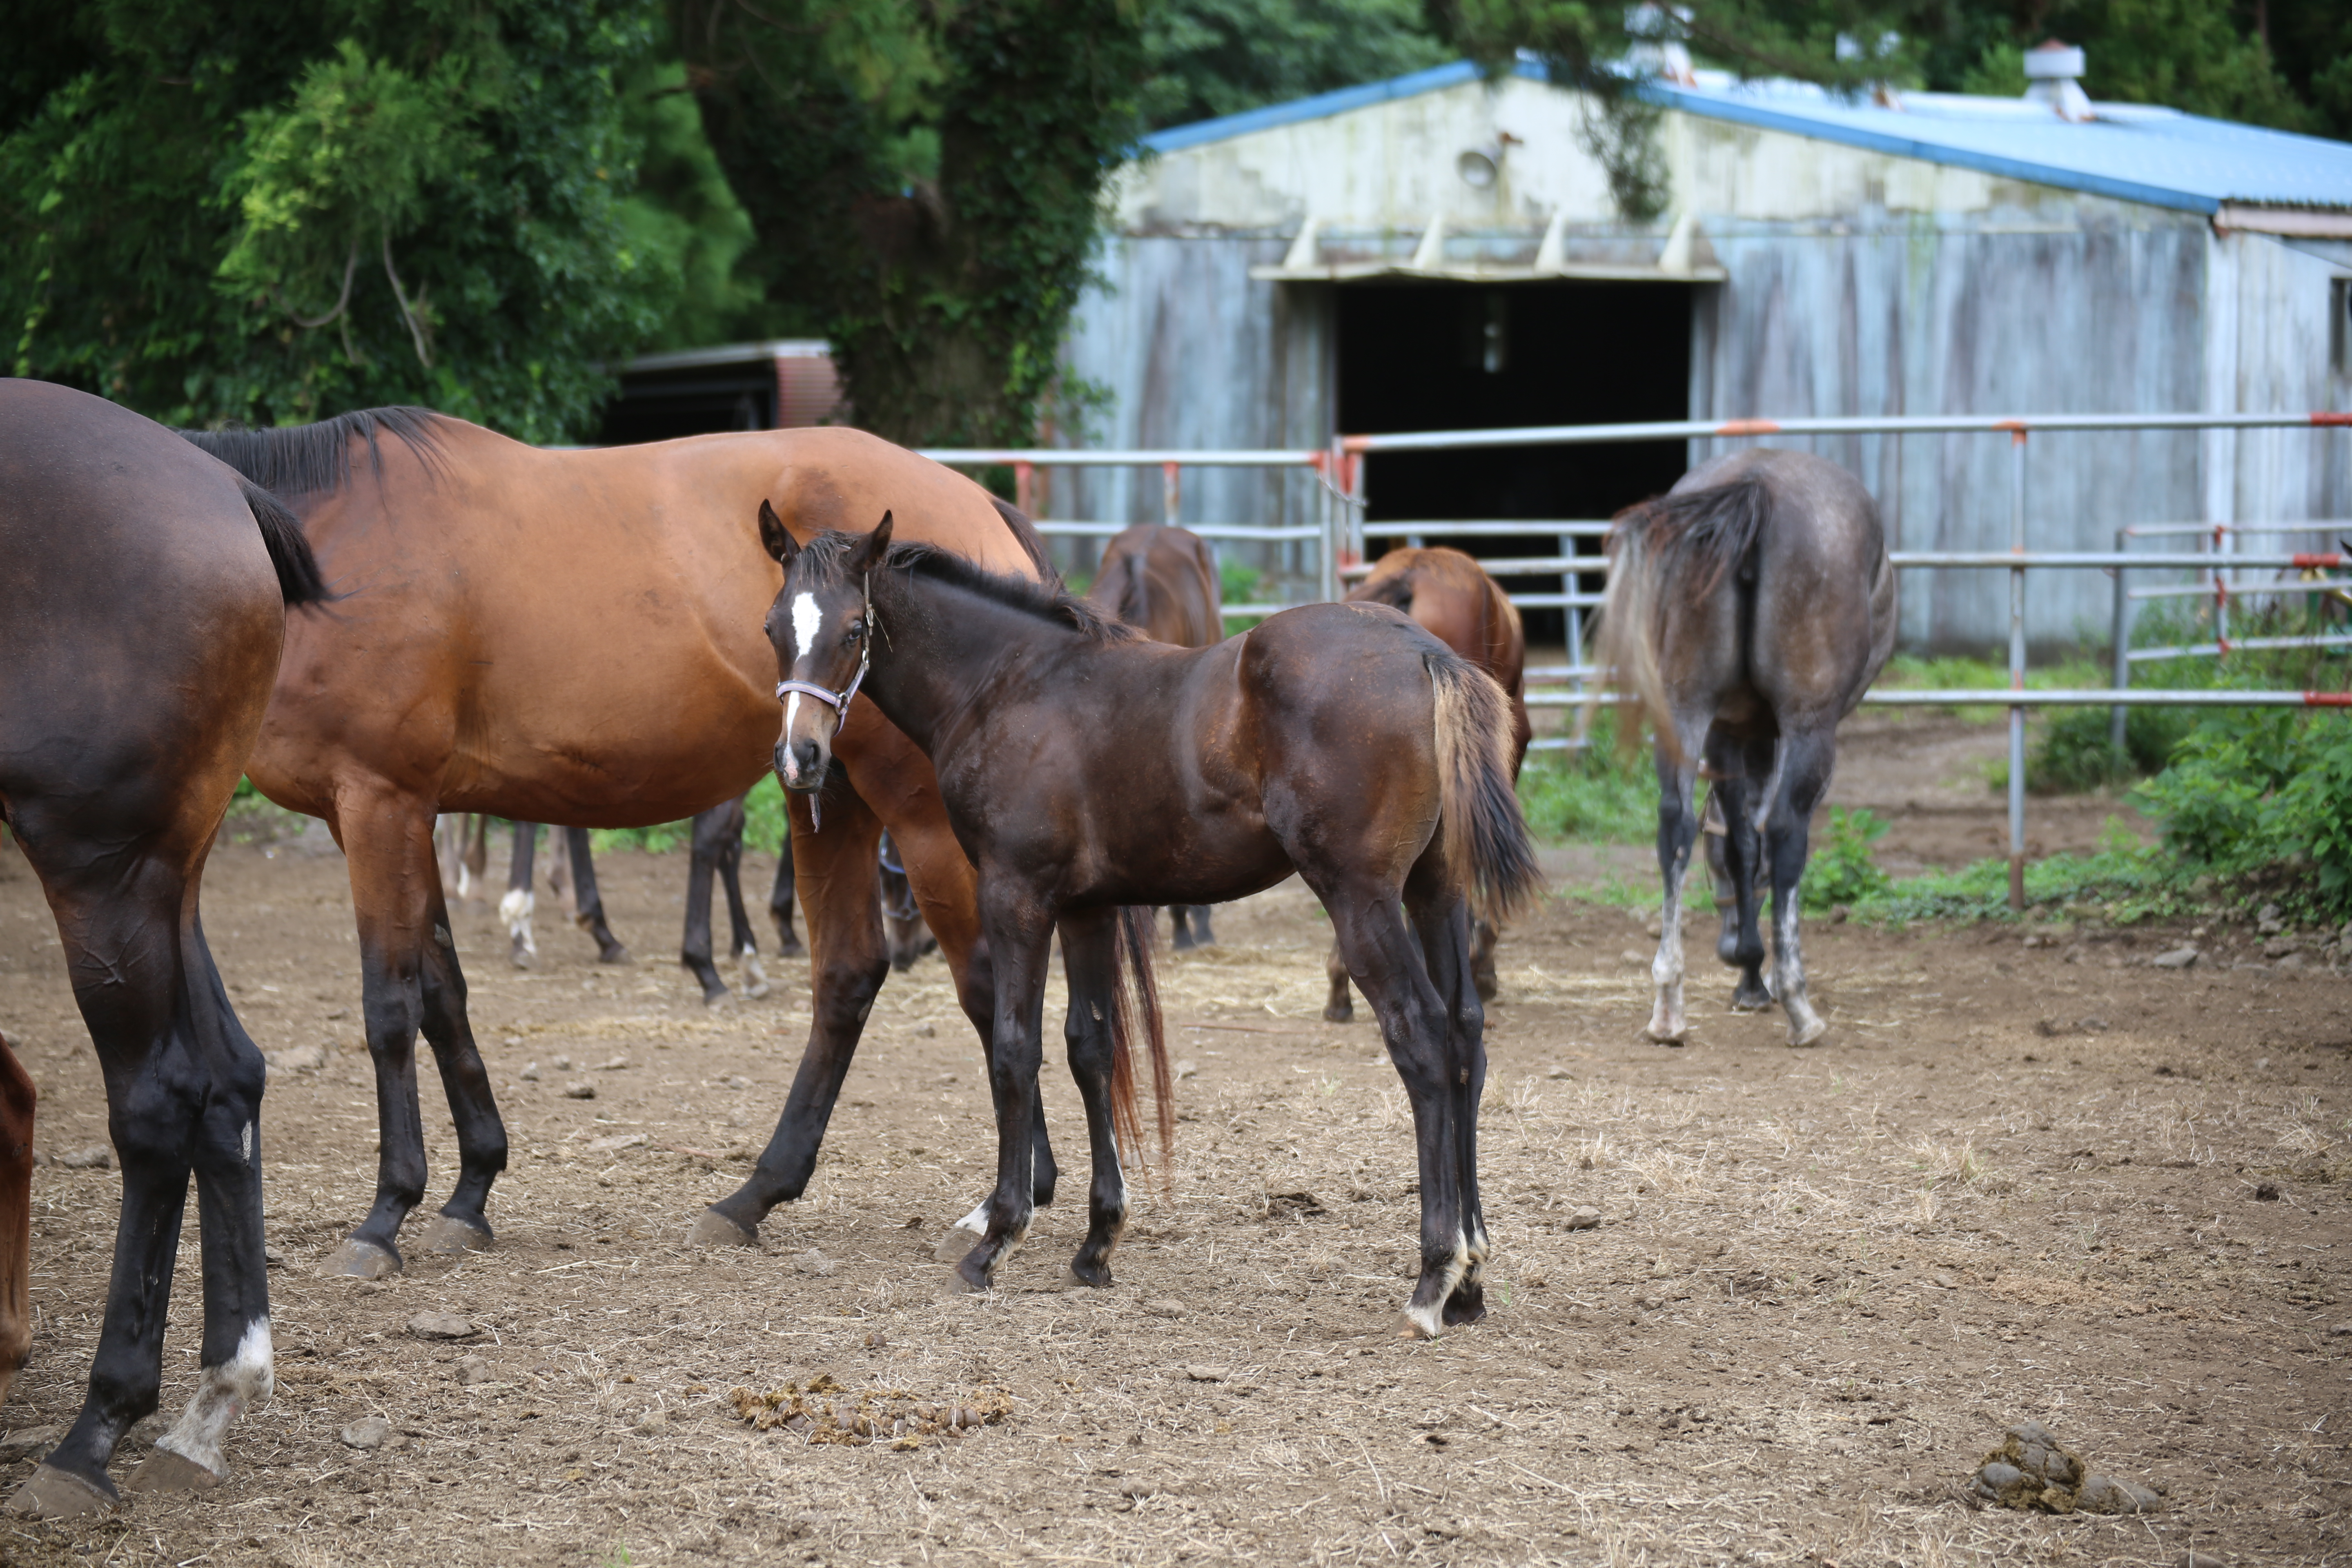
[1450,595]
[1087,771]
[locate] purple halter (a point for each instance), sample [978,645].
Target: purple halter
[839,701]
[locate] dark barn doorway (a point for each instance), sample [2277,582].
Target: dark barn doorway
[1463,356]
[777,384]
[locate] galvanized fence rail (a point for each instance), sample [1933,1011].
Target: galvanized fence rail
[1341,533]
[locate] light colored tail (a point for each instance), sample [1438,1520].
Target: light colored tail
[1136,1001]
[1485,838]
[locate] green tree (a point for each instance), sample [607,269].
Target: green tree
[927,181]
[1212,57]
[269,211]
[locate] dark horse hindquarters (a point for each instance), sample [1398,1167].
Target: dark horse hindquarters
[1086,770]
[144,612]
[1750,609]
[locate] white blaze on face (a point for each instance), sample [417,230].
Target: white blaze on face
[222,1394]
[808,624]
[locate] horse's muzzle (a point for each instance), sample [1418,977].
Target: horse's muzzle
[801,765]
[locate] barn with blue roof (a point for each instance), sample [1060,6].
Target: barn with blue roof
[1444,251]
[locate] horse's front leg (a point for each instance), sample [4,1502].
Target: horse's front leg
[1090,963]
[1020,931]
[1739,767]
[847,963]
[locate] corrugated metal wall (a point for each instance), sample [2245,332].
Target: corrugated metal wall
[2055,303]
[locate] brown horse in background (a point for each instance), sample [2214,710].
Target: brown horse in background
[1453,599]
[1162,581]
[573,636]
[141,616]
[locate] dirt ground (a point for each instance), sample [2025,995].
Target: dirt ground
[2023,1179]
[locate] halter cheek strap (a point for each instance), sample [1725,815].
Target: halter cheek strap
[839,701]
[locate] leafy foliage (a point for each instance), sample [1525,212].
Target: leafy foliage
[1840,868]
[1213,57]
[928,182]
[269,212]
[2264,796]
[1600,794]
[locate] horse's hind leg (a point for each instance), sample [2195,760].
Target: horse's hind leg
[713,830]
[742,941]
[780,901]
[516,907]
[587,902]
[118,918]
[18,1097]
[1803,776]
[1202,936]
[1339,1007]
[1741,850]
[1442,920]
[236,1358]
[481,1136]
[1677,830]
[1482,940]
[1385,959]
[1090,962]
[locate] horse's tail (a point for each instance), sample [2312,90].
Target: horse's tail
[1124,589]
[1478,815]
[299,577]
[1689,541]
[1139,993]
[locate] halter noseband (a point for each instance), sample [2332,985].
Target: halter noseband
[839,701]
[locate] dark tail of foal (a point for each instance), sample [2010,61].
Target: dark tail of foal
[1479,811]
[1138,994]
[299,578]
[1670,552]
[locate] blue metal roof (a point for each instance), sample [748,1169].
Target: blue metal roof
[2131,151]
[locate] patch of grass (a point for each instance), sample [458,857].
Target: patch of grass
[2123,882]
[765,826]
[1598,794]
[1840,868]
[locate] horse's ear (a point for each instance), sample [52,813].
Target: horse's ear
[777,540]
[867,552]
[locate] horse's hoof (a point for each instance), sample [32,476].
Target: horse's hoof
[1096,1277]
[756,991]
[1666,1034]
[1488,988]
[712,1228]
[968,1279]
[956,1245]
[1464,1309]
[615,954]
[165,1471]
[1183,942]
[447,1233]
[358,1259]
[1810,1035]
[60,1494]
[1419,1324]
[791,948]
[1750,1002]
[719,998]
[1339,1013]
[522,958]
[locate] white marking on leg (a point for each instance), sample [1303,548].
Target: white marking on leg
[245,1142]
[976,1221]
[516,909]
[222,1393]
[1666,1021]
[1805,1025]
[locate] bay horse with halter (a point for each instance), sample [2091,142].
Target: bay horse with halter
[141,620]
[1088,771]
[573,636]
[1162,581]
[1451,596]
[1748,609]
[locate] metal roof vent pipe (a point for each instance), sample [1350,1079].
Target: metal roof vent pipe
[2053,75]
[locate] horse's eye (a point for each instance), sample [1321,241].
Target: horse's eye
[856,629]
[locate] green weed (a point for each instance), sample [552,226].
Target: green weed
[1840,868]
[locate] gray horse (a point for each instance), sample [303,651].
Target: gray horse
[1749,610]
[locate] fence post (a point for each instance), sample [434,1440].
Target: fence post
[1024,489]
[2116,737]
[2017,670]
[1170,495]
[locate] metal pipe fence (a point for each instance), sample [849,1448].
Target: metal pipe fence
[1341,532]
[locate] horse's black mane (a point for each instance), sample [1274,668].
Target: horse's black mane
[825,557]
[310,459]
